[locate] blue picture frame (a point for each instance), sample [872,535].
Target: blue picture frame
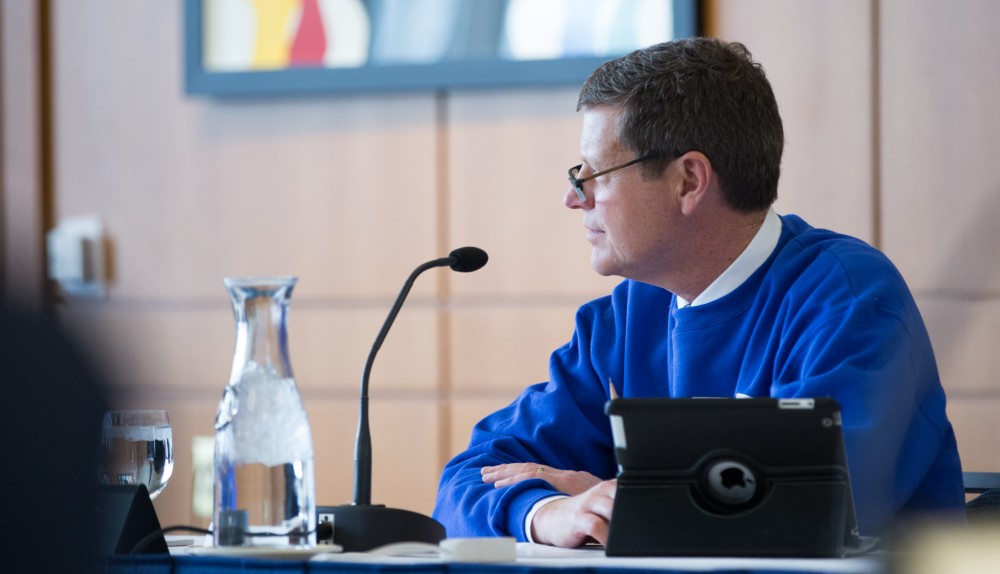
[380,78]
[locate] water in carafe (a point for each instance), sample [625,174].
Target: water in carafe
[265,488]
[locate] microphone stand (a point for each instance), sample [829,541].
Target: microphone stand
[362,526]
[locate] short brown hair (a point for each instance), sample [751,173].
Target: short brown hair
[698,94]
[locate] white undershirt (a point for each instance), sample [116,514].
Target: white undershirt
[755,254]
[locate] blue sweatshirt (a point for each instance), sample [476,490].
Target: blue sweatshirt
[825,316]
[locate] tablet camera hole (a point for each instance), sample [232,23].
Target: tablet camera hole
[731,482]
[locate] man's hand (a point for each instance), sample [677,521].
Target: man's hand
[575,520]
[571,482]
[568,522]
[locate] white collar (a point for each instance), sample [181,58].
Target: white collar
[756,253]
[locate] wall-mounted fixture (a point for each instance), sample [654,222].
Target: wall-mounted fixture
[76,256]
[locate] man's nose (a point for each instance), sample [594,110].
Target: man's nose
[572,199]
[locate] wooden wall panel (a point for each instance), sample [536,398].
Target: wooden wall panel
[964,335]
[508,154]
[406,464]
[975,425]
[22,230]
[194,189]
[940,122]
[506,347]
[818,57]
[166,350]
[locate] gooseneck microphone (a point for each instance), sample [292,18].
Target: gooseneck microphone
[363,526]
[463,259]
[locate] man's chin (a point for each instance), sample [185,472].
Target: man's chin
[604,267]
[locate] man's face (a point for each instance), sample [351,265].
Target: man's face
[631,222]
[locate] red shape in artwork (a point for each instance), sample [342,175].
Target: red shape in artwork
[309,45]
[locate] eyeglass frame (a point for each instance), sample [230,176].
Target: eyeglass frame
[577,183]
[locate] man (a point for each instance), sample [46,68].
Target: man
[681,150]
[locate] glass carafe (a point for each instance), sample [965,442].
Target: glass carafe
[265,487]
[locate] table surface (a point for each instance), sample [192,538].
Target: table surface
[530,558]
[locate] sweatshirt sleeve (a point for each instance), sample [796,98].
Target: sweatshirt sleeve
[560,424]
[874,356]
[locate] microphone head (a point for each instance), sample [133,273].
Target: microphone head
[467,259]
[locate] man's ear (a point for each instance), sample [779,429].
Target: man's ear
[696,178]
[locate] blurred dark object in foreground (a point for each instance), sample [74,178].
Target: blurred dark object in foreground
[51,401]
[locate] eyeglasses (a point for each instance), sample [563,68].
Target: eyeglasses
[578,181]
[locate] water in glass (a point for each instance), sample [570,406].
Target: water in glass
[137,448]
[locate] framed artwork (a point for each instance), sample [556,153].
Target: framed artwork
[271,47]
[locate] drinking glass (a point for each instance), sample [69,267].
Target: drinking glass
[137,448]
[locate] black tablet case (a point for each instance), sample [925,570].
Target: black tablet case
[781,484]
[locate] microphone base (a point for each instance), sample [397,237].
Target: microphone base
[362,528]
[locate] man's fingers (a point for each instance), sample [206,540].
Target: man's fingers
[568,481]
[592,527]
[507,474]
[574,520]
[596,517]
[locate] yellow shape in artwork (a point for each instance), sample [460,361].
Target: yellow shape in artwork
[274,42]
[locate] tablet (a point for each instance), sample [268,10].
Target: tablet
[730,477]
